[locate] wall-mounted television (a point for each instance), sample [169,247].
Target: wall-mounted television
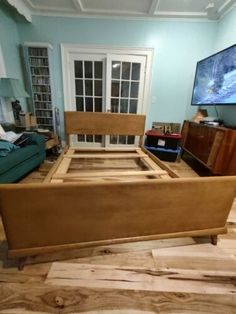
[215,79]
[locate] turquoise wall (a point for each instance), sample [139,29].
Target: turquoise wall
[178,46]
[10,40]
[226,36]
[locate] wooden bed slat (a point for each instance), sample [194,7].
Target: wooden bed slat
[64,166]
[109,174]
[99,123]
[105,156]
[104,149]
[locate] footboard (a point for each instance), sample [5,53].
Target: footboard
[43,218]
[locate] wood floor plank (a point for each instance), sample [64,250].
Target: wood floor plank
[142,279]
[54,299]
[196,257]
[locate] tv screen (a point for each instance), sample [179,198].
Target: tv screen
[215,79]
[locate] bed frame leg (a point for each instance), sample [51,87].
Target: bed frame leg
[214,239]
[21,263]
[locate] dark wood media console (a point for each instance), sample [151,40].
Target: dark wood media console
[214,147]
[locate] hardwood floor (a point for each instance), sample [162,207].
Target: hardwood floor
[184,275]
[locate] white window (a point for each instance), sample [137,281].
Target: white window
[105,80]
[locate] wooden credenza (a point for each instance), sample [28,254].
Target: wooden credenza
[214,147]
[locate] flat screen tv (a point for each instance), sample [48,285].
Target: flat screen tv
[215,79]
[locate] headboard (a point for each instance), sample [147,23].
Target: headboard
[98,123]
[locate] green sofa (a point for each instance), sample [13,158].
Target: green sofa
[22,160]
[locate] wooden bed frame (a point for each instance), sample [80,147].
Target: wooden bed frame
[105,196]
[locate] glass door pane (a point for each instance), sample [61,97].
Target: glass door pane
[126,89]
[88,91]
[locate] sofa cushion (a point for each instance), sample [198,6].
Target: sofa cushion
[18,156]
[6,147]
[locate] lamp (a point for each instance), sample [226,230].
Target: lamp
[13,88]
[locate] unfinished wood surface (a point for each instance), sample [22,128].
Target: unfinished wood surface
[110,174]
[89,213]
[160,163]
[62,166]
[104,156]
[75,161]
[199,257]
[103,149]
[27,290]
[37,297]
[142,279]
[55,166]
[78,165]
[153,165]
[104,123]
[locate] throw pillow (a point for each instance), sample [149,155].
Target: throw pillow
[6,147]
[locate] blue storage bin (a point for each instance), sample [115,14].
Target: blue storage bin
[164,154]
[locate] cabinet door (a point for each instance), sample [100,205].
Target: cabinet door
[203,142]
[225,163]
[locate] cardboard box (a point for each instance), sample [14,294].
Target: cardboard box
[166,127]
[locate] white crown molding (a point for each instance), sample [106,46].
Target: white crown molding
[113,12]
[21,8]
[76,9]
[46,8]
[180,14]
[225,6]
[227,11]
[78,5]
[145,18]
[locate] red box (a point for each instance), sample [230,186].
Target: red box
[167,141]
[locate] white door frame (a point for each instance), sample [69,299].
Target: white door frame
[68,49]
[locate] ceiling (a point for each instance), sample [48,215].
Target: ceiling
[188,9]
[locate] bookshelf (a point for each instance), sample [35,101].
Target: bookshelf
[37,61]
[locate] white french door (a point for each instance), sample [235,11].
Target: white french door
[105,82]
[124,90]
[87,93]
